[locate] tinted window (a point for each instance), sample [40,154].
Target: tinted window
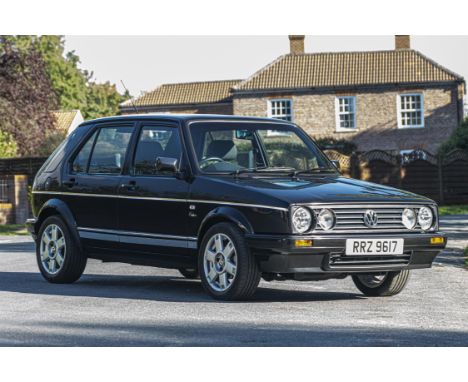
[81,160]
[109,151]
[155,142]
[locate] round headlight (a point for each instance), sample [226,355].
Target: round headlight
[326,219]
[408,218]
[425,218]
[301,219]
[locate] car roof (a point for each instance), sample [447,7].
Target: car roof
[183,117]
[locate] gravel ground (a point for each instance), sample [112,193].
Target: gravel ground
[123,305]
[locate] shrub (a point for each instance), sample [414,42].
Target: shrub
[343,146]
[458,140]
[8,147]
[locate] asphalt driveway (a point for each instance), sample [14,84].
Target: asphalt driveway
[123,305]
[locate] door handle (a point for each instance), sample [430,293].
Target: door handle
[130,186]
[70,182]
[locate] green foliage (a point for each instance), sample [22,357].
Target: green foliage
[341,145]
[458,140]
[72,85]
[461,209]
[8,146]
[102,100]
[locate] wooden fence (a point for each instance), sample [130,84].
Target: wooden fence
[444,179]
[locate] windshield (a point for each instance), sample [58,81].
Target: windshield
[222,147]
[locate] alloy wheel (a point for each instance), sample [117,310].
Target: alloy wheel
[220,262]
[52,249]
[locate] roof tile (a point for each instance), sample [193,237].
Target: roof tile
[347,69]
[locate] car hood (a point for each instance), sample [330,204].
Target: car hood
[324,189]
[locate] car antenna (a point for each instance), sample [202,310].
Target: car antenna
[131,98]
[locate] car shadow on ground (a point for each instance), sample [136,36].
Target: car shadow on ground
[152,288]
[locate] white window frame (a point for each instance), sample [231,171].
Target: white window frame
[338,113]
[269,108]
[399,111]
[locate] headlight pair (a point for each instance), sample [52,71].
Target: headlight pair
[424,217]
[302,219]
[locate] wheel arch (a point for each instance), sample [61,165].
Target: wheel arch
[224,214]
[56,207]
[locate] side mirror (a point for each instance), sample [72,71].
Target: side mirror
[336,164]
[166,164]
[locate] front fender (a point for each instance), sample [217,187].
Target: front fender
[225,213]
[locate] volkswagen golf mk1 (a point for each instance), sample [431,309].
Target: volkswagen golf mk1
[229,200]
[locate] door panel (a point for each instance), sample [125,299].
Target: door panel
[91,185]
[152,207]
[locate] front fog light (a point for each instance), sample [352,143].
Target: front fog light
[326,219]
[301,219]
[408,218]
[425,218]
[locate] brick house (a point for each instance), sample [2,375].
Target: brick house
[394,100]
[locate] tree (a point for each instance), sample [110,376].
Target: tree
[26,96]
[102,100]
[72,85]
[458,140]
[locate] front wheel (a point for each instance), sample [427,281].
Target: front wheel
[381,284]
[227,269]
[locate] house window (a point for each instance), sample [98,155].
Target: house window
[345,113]
[280,109]
[410,110]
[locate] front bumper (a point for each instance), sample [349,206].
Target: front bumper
[278,254]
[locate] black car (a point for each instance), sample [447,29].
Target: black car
[227,199]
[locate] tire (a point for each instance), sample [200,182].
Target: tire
[73,261]
[391,283]
[241,269]
[190,274]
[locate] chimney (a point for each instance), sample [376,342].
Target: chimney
[296,44]
[402,41]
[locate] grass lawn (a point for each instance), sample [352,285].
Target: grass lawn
[460,209]
[13,229]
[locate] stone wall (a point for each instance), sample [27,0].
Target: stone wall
[376,116]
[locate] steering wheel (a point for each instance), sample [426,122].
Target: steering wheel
[205,162]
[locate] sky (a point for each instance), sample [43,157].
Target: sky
[145,62]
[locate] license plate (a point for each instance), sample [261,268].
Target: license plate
[374,246]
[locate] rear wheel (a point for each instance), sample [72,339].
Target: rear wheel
[58,256]
[381,284]
[227,269]
[188,273]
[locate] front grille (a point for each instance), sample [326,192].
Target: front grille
[351,219]
[340,261]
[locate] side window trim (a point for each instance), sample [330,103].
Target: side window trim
[141,125]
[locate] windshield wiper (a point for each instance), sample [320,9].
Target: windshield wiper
[315,170]
[265,170]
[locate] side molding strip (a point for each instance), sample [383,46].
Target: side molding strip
[220,202]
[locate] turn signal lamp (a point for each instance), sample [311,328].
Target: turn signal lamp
[303,243]
[437,240]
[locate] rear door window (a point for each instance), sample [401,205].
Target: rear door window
[110,149]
